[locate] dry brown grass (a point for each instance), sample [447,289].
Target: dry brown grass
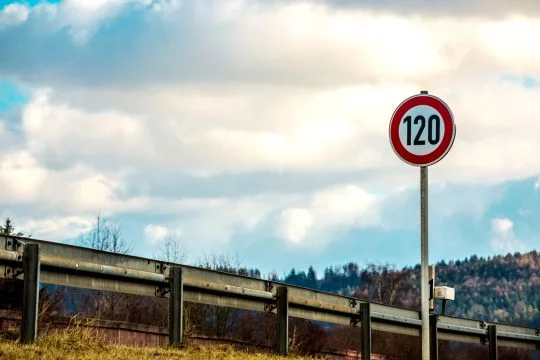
[79,342]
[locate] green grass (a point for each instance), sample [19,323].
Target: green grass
[85,343]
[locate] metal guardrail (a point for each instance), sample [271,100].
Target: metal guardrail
[38,261]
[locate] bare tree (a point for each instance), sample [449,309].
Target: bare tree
[171,250]
[385,284]
[106,235]
[224,263]
[217,320]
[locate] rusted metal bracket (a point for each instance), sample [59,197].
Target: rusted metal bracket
[14,270]
[161,268]
[12,244]
[269,307]
[483,325]
[162,291]
[10,272]
[268,286]
[355,318]
[484,338]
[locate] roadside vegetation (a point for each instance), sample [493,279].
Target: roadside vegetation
[85,343]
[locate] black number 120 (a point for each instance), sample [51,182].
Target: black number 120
[434,129]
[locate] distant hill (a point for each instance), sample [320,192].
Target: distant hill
[501,288]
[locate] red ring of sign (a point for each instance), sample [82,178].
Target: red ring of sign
[446,142]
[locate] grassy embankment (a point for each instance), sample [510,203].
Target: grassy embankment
[84,343]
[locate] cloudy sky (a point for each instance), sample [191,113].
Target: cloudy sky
[260,127]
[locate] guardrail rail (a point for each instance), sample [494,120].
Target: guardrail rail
[37,261]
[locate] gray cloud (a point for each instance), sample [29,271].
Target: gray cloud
[175,183]
[197,44]
[461,8]
[151,99]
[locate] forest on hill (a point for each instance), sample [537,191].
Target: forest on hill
[502,288]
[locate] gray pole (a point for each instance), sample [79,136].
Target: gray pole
[424,261]
[29,321]
[282,299]
[424,295]
[492,338]
[176,305]
[366,330]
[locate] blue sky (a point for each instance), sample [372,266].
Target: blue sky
[259,129]
[11,95]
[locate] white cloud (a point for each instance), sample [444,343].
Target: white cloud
[328,210]
[502,225]
[299,219]
[13,14]
[332,130]
[295,224]
[77,189]
[20,176]
[56,228]
[64,136]
[504,239]
[510,41]
[294,43]
[238,87]
[300,102]
[537,184]
[155,233]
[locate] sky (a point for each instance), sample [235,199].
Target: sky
[259,129]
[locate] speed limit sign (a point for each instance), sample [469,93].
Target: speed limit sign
[422,130]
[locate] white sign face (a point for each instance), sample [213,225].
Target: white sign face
[421,130]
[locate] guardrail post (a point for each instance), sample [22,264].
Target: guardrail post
[433,338]
[365,314]
[282,300]
[492,342]
[29,323]
[176,305]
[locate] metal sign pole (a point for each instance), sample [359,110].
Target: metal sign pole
[415,148]
[424,261]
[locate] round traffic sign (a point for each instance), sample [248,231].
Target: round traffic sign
[422,130]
